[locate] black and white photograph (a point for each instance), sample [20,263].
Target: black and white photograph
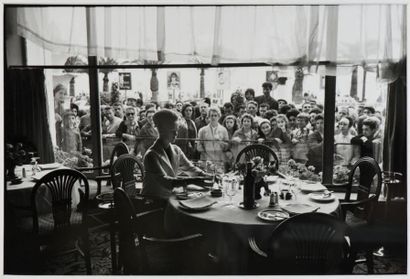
[205,138]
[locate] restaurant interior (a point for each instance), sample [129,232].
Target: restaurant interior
[205,139]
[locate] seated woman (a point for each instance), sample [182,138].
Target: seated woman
[165,160]
[213,139]
[244,136]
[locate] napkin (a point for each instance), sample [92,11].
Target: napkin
[198,203]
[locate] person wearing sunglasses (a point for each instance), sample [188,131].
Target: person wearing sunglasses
[129,129]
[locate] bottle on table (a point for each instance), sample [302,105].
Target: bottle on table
[248,188]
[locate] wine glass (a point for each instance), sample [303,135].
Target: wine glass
[231,190]
[34,165]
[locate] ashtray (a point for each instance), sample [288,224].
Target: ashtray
[16,181]
[216,193]
[255,205]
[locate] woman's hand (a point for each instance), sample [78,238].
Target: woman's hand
[295,141]
[260,140]
[236,139]
[278,140]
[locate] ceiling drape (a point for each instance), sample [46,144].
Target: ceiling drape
[342,34]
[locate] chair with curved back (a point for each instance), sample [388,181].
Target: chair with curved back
[359,213]
[118,150]
[151,255]
[251,151]
[125,172]
[310,243]
[63,221]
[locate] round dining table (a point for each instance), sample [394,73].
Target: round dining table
[227,228]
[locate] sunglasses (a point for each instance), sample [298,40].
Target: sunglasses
[130,113]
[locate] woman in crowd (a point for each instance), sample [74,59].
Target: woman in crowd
[187,129]
[244,136]
[299,138]
[343,148]
[282,136]
[129,129]
[213,139]
[231,125]
[71,138]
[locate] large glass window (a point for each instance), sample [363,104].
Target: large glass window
[294,129]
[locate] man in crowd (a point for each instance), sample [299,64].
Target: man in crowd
[149,132]
[111,125]
[263,108]
[266,98]
[252,108]
[118,110]
[227,110]
[201,120]
[369,143]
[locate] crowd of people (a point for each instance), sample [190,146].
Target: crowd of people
[210,133]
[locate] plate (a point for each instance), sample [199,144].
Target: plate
[106,197]
[321,197]
[200,209]
[317,187]
[299,208]
[186,196]
[273,215]
[271,179]
[199,203]
[51,166]
[193,187]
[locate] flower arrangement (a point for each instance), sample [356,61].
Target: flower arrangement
[72,160]
[300,171]
[340,174]
[259,167]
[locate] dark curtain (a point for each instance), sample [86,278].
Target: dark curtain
[25,112]
[395,149]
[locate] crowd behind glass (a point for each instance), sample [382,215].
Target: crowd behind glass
[217,134]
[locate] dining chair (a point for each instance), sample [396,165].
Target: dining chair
[309,243]
[251,151]
[359,214]
[64,221]
[103,170]
[125,172]
[143,253]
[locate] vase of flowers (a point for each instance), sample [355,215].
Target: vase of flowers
[259,170]
[299,170]
[340,174]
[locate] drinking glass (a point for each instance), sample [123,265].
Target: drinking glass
[231,190]
[390,178]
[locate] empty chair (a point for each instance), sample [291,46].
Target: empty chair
[125,172]
[359,214]
[103,175]
[251,151]
[64,221]
[310,243]
[146,254]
